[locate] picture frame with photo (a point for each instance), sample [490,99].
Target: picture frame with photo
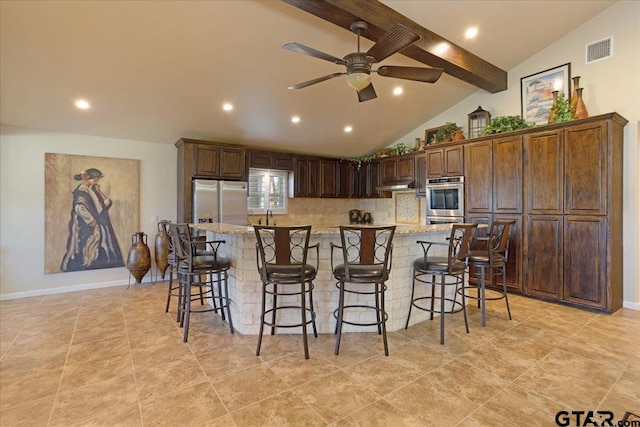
[536,92]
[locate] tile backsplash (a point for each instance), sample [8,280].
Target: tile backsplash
[331,212]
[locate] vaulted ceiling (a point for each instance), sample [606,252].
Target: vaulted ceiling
[160,70]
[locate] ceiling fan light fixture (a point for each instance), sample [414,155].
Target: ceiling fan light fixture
[359,80]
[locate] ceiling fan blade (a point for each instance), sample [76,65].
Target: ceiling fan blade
[427,75]
[368,93]
[314,81]
[306,50]
[394,40]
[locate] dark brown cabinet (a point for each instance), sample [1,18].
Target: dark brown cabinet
[445,161]
[270,160]
[306,177]
[346,179]
[328,178]
[478,177]
[367,177]
[507,175]
[543,256]
[573,211]
[204,159]
[421,175]
[401,168]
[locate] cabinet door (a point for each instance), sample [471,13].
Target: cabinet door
[345,186]
[453,161]
[542,256]
[259,160]
[374,179]
[389,170]
[282,161]
[328,178]
[543,170]
[421,175]
[478,169]
[435,163]
[313,188]
[514,260]
[585,260]
[301,179]
[232,163]
[206,161]
[406,169]
[507,175]
[585,167]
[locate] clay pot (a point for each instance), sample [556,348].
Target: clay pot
[162,250]
[139,259]
[457,136]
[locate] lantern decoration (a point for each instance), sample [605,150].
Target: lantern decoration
[477,122]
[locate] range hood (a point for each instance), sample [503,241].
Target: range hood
[396,186]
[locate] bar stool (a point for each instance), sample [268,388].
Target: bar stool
[453,265]
[495,258]
[206,270]
[366,259]
[281,259]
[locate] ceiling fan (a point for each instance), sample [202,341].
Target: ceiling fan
[359,63]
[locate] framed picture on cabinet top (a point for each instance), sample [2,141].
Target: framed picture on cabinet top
[536,92]
[429,135]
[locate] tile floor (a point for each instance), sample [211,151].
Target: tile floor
[112,357]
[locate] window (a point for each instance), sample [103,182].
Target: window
[267,190]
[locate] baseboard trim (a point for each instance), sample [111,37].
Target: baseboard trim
[631,305]
[65,289]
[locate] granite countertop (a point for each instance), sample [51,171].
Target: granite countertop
[223,228]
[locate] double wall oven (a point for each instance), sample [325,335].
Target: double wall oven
[445,200]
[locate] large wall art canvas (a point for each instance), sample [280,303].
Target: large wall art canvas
[91,211]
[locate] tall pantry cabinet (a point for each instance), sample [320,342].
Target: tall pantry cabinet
[573,212]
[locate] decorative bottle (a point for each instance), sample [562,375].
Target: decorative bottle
[574,94]
[581,108]
[139,259]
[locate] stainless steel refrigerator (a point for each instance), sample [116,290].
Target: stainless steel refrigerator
[220,201]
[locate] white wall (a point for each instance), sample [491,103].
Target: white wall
[22,204]
[611,85]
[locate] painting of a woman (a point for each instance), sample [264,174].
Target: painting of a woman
[92,242]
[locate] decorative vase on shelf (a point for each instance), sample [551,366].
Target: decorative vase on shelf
[162,250]
[581,109]
[139,259]
[574,94]
[552,113]
[457,136]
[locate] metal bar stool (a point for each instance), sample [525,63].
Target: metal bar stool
[366,259]
[495,258]
[281,258]
[206,270]
[453,265]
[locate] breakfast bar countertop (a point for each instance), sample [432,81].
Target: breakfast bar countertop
[223,228]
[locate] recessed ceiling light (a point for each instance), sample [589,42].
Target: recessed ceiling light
[348,129]
[471,32]
[82,104]
[295,119]
[227,106]
[398,90]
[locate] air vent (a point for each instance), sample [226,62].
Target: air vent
[601,49]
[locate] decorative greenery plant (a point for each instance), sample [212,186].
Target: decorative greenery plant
[561,110]
[506,124]
[445,133]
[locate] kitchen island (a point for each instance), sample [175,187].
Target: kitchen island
[245,285]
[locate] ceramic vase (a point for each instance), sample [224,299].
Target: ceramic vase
[574,94]
[139,259]
[581,109]
[162,250]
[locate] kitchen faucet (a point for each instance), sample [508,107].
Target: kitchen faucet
[269,214]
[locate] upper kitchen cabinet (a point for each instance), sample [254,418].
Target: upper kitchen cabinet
[400,168]
[328,178]
[204,159]
[306,176]
[421,175]
[346,179]
[270,160]
[444,161]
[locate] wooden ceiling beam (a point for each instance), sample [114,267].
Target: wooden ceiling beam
[432,49]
